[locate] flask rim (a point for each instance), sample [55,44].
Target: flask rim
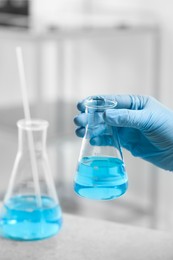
[33,124]
[100,102]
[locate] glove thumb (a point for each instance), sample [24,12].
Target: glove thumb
[125,118]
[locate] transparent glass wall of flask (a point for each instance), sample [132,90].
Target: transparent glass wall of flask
[101,173]
[25,214]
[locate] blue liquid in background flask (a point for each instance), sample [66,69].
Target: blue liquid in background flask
[24,215]
[100,173]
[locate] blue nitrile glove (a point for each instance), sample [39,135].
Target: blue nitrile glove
[145,127]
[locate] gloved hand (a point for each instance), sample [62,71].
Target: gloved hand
[145,127]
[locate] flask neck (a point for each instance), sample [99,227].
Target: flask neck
[34,131]
[95,108]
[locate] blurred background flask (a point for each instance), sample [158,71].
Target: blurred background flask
[100,171]
[31,209]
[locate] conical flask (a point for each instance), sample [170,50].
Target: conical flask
[31,209]
[101,173]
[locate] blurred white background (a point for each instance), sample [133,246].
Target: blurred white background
[73,49]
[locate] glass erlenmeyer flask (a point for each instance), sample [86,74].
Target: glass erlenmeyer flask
[100,172]
[25,215]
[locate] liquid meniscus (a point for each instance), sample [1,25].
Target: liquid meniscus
[22,219]
[100,178]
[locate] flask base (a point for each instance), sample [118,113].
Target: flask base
[22,219]
[100,193]
[100,178]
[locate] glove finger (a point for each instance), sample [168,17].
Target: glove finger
[81,120]
[97,130]
[80,132]
[91,133]
[104,140]
[125,118]
[135,102]
[81,106]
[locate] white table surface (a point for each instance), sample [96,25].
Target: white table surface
[82,238]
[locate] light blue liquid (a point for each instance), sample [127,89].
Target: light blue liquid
[100,178]
[22,219]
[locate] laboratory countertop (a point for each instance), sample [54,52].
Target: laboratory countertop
[83,238]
